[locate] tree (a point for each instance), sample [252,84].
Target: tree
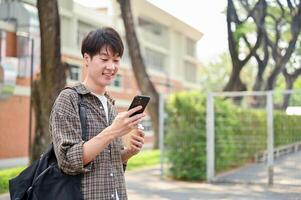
[279,36]
[282,25]
[52,77]
[262,59]
[261,65]
[291,72]
[215,74]
[238,41]
[261,54]
[145,84]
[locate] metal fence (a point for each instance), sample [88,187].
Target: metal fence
[257,140]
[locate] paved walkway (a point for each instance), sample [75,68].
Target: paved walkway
[146,184]
[287,171]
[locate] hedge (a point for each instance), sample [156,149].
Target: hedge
[240,134]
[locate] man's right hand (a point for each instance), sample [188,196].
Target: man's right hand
[123,123]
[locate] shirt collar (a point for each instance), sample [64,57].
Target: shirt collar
[82,89]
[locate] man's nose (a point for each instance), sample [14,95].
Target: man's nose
[111,65]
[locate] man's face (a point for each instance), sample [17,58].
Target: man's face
[102,67]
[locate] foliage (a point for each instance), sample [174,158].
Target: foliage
[286,129]
[295,99]
[185,137]
[144,159]
[274,24]
[240,134]
[6,175]
[216,73]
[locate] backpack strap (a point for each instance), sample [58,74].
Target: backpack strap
[82,114]
[83,117]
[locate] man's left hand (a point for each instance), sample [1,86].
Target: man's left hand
[137,142]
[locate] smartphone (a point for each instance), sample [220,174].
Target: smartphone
[139,100]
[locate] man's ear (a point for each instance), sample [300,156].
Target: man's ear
[87,59]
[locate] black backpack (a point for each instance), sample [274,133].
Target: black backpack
[44,179]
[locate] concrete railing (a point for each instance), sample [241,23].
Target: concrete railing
[279,152]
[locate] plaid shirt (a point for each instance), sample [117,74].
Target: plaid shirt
[104,175]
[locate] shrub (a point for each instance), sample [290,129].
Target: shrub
[240,134]
[185,135]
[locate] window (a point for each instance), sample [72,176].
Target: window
[154,32]
[155,60]
[151,27]
[80,36]
[190,72]
[190,47]
[117,81]
[24,66]
[24,56]
[82,31]
[66,26]
[74,73]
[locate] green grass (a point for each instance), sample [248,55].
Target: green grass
[5,175]
[144,159]
[8,89]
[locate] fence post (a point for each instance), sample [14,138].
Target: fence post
[210,137]
[161,134]
[270,138]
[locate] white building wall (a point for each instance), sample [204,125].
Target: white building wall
[75,18]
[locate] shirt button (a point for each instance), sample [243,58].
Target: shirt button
[111,174]
[112,195]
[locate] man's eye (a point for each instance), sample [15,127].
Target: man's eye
[104,59]
[116,61]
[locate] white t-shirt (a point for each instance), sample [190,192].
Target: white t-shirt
[104,102]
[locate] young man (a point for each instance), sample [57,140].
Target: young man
[100,159]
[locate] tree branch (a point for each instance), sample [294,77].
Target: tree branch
[291,7]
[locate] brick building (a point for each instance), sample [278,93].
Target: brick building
[168,46]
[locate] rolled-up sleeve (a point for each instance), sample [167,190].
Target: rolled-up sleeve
[66,136]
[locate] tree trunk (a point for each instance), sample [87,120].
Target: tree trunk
[289,82]
[145,84]
[262,63]
[290,79]
[259,81]
[52,76]
[258,101]
[273,77]
[235,83]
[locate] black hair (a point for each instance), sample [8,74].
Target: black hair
[106,36]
